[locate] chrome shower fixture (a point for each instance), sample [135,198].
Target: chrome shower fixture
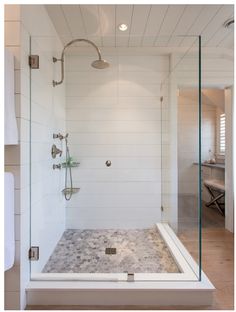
[55,151]
[55,166]
[98,64]
[60,136]
[229,23]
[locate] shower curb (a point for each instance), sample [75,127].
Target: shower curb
[187,292]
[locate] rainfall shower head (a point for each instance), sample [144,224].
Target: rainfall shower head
[100,64]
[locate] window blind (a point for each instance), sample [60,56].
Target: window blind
[222,134]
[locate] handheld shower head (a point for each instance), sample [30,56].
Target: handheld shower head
[100,64]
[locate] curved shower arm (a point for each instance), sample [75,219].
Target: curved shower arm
[55,83]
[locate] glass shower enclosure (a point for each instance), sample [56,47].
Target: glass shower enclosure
[108,200]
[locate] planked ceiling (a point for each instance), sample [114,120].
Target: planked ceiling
[148,25]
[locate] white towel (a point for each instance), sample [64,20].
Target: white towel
[9,232]
[10,126]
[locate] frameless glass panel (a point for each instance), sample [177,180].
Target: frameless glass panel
[181,147]
[47,117]
[108,182]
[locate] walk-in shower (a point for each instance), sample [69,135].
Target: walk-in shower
[98,64]
[125,221]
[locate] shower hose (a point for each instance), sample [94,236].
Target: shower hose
[68,167]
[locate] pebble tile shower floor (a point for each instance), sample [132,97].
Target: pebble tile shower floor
[83,251]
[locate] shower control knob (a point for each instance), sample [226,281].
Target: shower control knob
[55,151]
[54,166]
[108,163]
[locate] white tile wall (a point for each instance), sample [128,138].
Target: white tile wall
[115,114]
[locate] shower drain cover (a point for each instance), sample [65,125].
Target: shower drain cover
[110,251]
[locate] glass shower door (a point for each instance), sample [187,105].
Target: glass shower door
[46,117]
[181,148]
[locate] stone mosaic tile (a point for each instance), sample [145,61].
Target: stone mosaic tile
[83,251]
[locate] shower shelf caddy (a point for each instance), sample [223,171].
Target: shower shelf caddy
[69,191]
[70,165]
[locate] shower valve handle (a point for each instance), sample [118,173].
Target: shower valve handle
[55,151]
[54,166]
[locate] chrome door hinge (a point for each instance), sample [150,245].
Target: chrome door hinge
[34,61]
[161,98]
[34,253]
[162,208]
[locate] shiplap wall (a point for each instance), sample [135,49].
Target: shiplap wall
[114,114]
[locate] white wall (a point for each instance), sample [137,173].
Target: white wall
[13,156]
[48,116]
[188,151]
[114,114]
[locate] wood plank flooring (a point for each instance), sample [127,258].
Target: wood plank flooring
[217,262]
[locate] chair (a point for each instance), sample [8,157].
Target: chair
[216,189]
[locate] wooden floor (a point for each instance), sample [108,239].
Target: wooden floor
[217,263]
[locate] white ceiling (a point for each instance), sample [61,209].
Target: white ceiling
[148,25]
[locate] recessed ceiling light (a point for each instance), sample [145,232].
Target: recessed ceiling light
[123,27]
[229,23]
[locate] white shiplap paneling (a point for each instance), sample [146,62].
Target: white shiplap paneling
[213,32]
[201,23]
[72,14]
[148,25]
[90,17]
[190,14]
[138,25]
[107,17]
[116,117]
[124,15]
[155,20]
[59,20]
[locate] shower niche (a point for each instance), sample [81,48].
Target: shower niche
[118,219]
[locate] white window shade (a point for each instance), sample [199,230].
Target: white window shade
[222,134]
